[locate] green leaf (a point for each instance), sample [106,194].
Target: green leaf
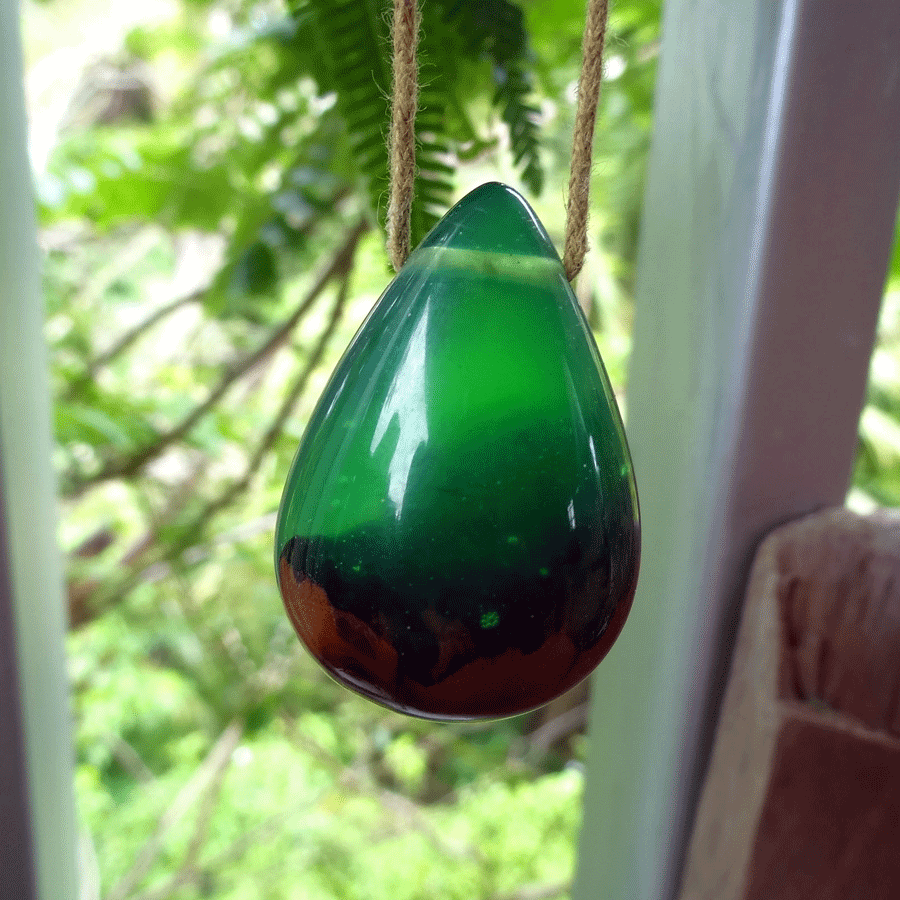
[115,177]
[495,30]
[75,422]
[256,271]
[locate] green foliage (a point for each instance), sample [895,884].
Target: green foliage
[325,795]
[345,45]
[206,268]
[876,476]
[495,30]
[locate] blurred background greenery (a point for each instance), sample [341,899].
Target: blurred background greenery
[211,177]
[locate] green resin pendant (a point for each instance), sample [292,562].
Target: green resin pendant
[459,535]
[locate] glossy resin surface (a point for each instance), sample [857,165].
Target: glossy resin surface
[459,535]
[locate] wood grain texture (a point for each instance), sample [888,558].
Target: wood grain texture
[802,796]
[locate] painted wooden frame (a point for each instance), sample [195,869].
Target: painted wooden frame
[37,854]
[769,211]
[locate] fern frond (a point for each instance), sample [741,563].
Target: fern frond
[495,30]
[349,53]
[513,90]
[346,45]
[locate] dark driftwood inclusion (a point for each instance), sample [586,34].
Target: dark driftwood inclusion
[479,647]
[459,534]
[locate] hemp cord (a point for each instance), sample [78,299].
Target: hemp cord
[402,141]
[583,138]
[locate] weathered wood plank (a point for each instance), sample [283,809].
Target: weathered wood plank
[802,797]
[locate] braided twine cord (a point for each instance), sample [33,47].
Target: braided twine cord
[402,140]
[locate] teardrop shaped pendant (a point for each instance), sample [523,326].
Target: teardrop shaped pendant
[459,535]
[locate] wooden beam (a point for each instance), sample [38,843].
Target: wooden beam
[770,205]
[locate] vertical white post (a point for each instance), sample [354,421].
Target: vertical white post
[38,770]
[770,205]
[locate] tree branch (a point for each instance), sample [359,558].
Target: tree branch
[126,340]
[83,604]
[206,780]
[133,463]
[238,847]
[287,407]
[129,759]
[544,737]
[133,334]
[140,560]
[538,891]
